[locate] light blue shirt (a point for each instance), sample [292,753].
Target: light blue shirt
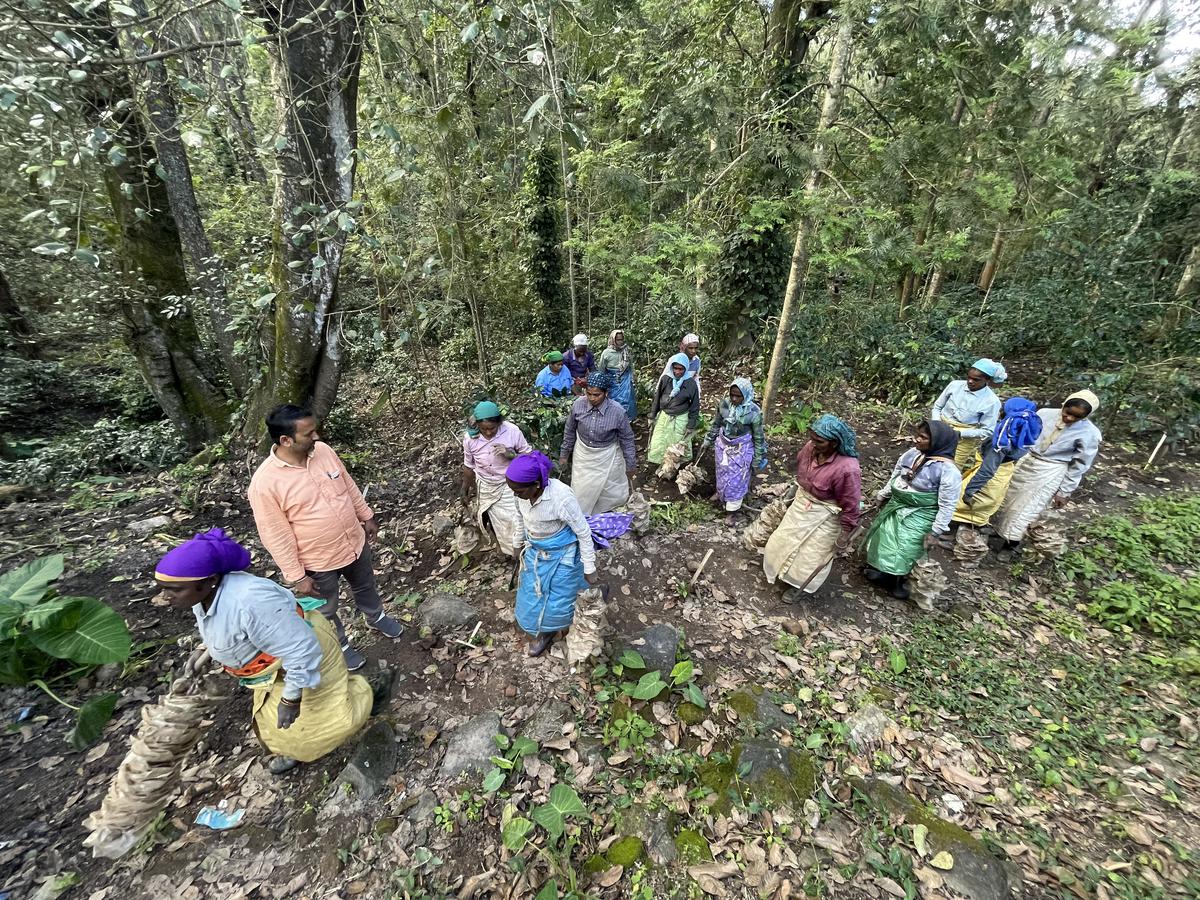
[936,475]
[252,615]
[978,410]
[547,382]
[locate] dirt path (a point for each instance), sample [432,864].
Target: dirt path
[1006,683]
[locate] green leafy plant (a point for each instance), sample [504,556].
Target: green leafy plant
[513,749]
[44,637]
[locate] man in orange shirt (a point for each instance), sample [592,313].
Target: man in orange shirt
[314,522]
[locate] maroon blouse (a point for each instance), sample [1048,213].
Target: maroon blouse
[837,481]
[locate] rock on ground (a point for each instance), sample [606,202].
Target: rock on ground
[867,725]
[657,647]
[546,724]
[145,526]
[470,746]
[373,762]
[444,612]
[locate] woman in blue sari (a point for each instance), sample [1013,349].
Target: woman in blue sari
[617,362]
[558,560]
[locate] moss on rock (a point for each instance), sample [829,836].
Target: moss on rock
[595,864]
[626,851]
[744,703]
[693,847]
[690,713]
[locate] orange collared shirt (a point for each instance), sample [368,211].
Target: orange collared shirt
[309,517]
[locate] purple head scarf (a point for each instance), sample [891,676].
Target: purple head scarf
[211,553]
[529,468]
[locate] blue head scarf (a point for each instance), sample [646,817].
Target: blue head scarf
[744,412]
[679,359]
[1020,428]
[832,428]
[991,369]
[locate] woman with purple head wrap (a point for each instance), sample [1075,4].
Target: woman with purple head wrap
[558,559]
[305,702]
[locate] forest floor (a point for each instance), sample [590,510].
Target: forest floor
[848,745]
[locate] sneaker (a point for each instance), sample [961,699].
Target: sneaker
[354,659]
[281,764]
[387,626]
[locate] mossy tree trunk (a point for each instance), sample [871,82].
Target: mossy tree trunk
[316,55]
[160,329]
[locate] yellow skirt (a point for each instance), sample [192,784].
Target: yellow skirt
[987,501]
[964,456]
[330,714]
[800,551]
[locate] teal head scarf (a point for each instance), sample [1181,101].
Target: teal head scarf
[485,409]
[679,359]
[834,429]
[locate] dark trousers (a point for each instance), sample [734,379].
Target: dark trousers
[361,580]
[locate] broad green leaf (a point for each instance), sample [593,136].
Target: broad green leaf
[27,584]
[37,616]
[502,741]
[86,631]
[650,685]
[631,659]
[898,661]
[91,719]
[514,833]
[523,746]
[535,107]
[549,891]
[683,671]
[493,780]
[501,762]
[563,802]
[695,695]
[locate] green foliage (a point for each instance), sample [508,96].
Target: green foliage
[41,631]
[678,516]
[44,635]
[127,447]
[796,419]
[563,803]
[752,270]
[628,732]
[544,185]
[1129,567]
[512,751]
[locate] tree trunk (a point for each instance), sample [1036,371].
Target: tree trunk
[988,275]
[1183,304]
[177,172]
[20,330]
[790,30]
[839,63]
[167,347]
[316,60]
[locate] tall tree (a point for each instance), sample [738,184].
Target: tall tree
[801,251]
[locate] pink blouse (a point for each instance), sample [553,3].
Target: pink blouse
[837,481]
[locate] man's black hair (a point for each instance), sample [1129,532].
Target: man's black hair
[281,421]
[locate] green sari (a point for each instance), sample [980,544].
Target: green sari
[896,539]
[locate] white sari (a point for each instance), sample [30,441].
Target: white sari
[598,477]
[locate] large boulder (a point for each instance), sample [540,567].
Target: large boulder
[976,873]
[657,646]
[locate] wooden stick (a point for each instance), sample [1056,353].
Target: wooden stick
[467,642]
[703,563]
[1162,440]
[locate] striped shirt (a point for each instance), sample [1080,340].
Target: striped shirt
[598,427]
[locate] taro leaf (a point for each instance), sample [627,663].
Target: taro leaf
[695,695]
[682,672]
[563,802]
[86,631]
[514,833]
[631,659]
[549,891]
[898,661]
[522,746]
[26,584]
[650,685]
[493,780]
[37,616]
[90,722]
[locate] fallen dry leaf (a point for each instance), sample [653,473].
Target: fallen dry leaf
[711,886]
[1139,834]
[609,877]
[713,870]
[943,861]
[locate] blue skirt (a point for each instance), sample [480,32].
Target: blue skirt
[622,393]
[551,577]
